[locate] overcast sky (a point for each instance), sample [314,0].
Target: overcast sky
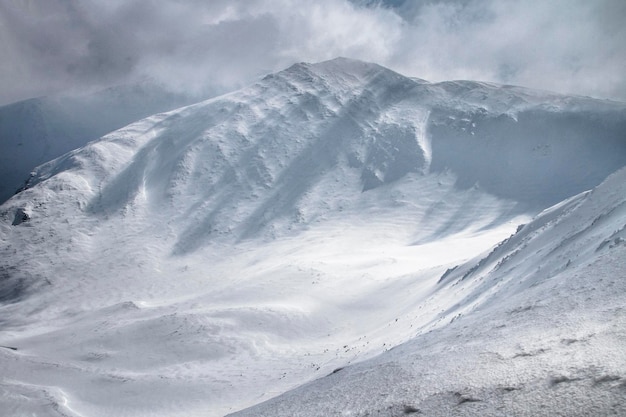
[49,46]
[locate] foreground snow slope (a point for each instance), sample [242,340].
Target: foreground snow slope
[538,328]
[204,260]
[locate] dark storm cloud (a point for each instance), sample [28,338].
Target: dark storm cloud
[200,46]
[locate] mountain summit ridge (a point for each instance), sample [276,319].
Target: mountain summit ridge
[316,117]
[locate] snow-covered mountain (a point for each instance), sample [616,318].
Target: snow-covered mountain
[37,130]
[207,259]
[536,327]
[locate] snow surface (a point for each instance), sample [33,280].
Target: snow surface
[537,328]
[205,260]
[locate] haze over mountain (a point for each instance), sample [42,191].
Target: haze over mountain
[37,130]
[570,46]
[206,259]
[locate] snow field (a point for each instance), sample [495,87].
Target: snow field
[204,260]
[541,342]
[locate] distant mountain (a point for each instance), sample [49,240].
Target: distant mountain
[212,257]
[37,130]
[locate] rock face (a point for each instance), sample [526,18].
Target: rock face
[306,219]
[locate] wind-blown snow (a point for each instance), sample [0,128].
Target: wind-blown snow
[207,259]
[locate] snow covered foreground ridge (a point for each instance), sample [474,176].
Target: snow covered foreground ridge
[538,329]
[204,260]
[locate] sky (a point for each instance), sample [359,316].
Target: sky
[207,47]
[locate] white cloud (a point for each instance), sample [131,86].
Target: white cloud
[190,45]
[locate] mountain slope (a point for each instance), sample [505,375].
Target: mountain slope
[263,238]
[537,329]
[37,130]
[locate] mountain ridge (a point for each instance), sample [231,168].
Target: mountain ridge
[36,130]
[307,98]
[305,219]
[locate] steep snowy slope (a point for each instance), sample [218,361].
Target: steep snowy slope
[204,260]
[538,328]
[37,130]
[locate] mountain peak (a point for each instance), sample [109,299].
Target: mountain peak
[342,71]
[339,64]
[347,65]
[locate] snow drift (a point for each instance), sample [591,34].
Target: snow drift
[206,259]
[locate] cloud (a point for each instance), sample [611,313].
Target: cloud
[205,47]
[568,46]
